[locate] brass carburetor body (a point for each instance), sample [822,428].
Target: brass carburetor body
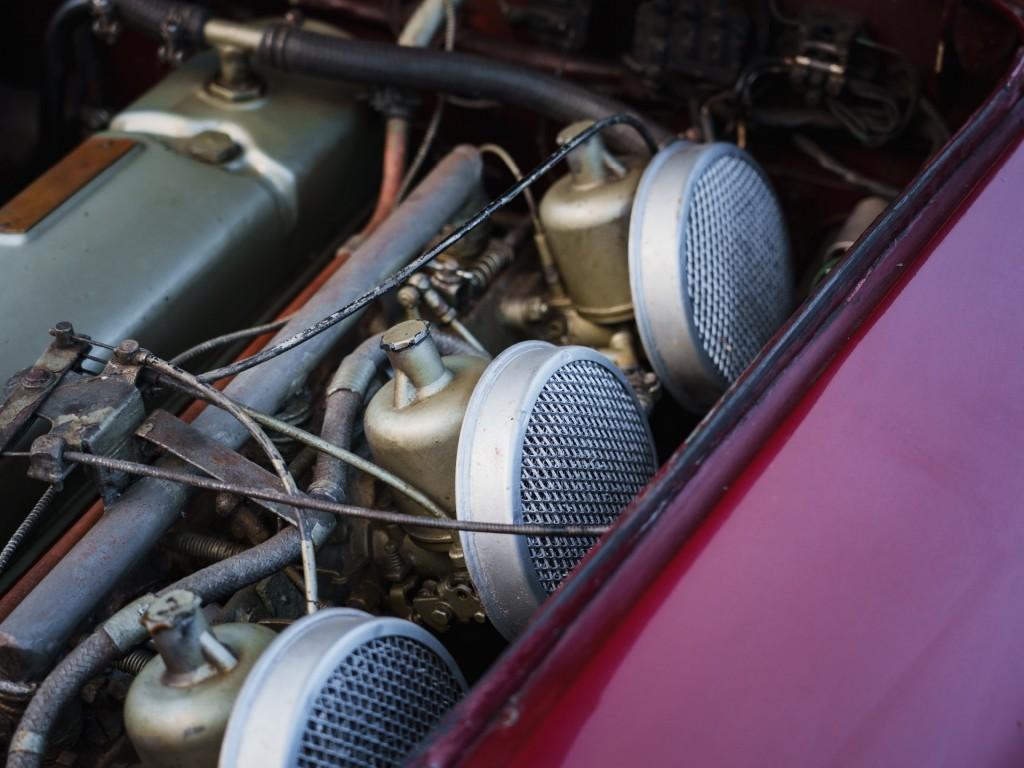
[584,236]
[178,705]
[412,424]
[585,215]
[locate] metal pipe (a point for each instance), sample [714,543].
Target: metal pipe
[34,575]
[421,27]
[37,630]
[418,31]
[396,143]
[232,34]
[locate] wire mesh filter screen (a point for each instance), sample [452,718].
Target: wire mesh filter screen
[737,267]
[379,703]
[586,454]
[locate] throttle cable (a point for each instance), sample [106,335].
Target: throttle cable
[322,505]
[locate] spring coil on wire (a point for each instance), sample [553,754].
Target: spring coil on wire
[394,565]
[133,663]
[495,258]
[204,547]
[8,552]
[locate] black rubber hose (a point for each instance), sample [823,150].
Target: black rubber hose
[224,578]
[463,74]
[83,663]
[360,61]
[450,344]
[90,657]
[68,16]
[330,475]
[157,17]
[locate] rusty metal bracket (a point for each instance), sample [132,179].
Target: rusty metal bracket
[28,389]
[217,460]
[94,414]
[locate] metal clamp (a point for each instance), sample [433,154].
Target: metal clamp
[174,46]
[27,390]
[105,24]
[94,414]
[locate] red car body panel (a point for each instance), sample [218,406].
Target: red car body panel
[852,600]
[829,571]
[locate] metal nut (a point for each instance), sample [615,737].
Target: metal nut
[214,147]
[126,350]
[36,378]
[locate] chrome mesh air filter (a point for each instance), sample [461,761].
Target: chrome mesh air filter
[709,267]
[341,688]
[552,436]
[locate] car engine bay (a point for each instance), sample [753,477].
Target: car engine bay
[338,332]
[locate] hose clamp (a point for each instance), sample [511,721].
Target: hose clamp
[28,742]
[125,627]
[172,35]
[105,24]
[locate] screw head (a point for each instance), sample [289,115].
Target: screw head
[213,147]
[441,615]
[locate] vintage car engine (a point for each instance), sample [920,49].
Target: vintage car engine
[312,421]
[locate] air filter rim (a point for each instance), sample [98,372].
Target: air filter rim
[267,730]
[500,566]
[657,250]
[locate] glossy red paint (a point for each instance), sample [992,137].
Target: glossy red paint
[582,685]
[853,599]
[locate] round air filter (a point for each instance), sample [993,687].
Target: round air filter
[709,267]
[341,688]
[552,436]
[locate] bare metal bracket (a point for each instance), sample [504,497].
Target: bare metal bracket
[173,435]
[94,414]
[28,389]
